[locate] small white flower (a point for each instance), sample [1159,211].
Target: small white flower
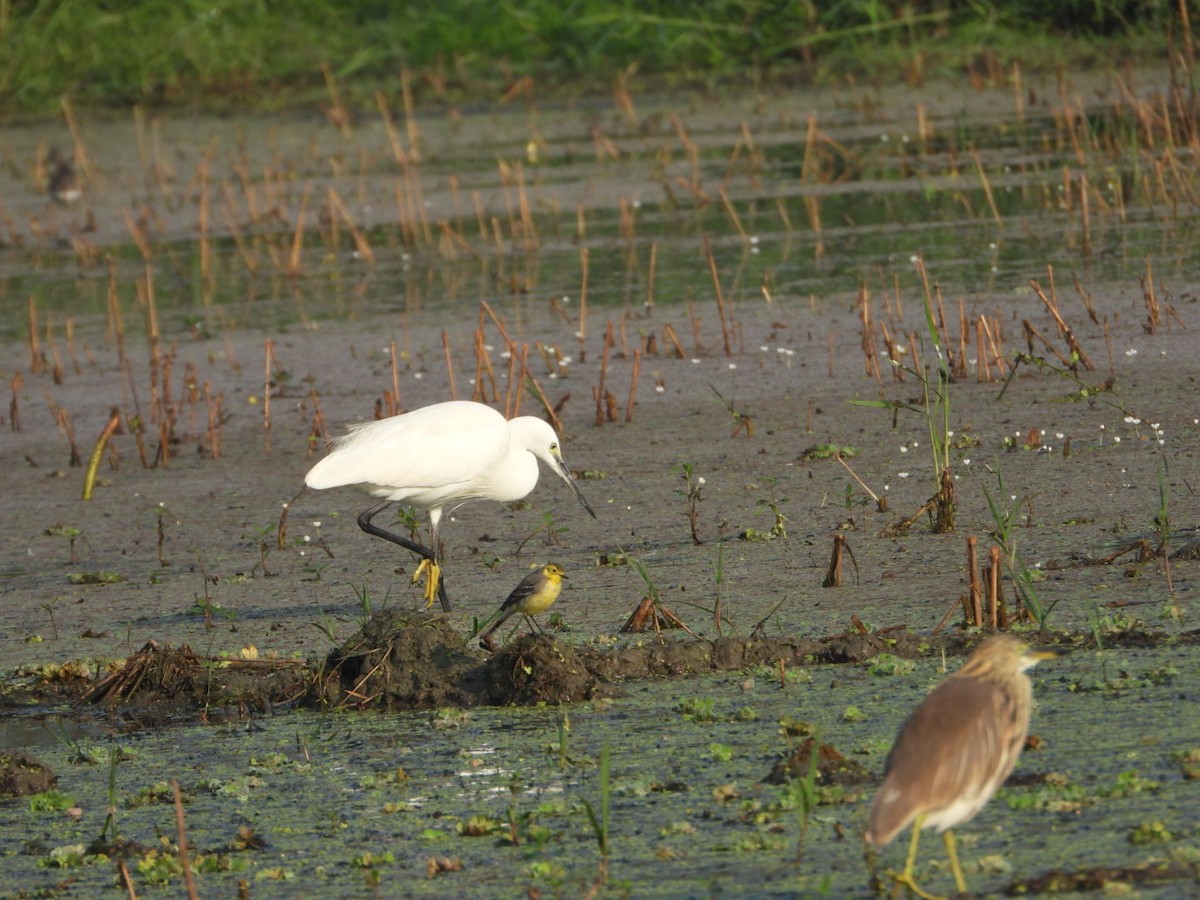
[700,480]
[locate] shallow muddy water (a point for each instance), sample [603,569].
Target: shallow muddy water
[988,192]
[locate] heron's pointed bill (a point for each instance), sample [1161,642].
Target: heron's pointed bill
[570,480]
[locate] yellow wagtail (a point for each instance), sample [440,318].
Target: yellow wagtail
[535,594]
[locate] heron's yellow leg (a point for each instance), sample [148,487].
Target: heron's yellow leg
[906,877]
[433,574]
[952,852]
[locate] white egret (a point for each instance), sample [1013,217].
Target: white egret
[441,456]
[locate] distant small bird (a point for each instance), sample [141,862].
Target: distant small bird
[955,749]
[535,594]
[63,184]
[441,456]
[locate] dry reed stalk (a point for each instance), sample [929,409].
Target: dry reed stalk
[983,372]
[959,365]
[626,226]
[833,575]
[449,363]
[82,161]
[633,384]
[867,337]
[924,128]
[995,343]
[670,335]
[976,589]
[389,128]
[115,326]
[893,352]
[483,364]
[812,206]
[1064,329]
[411,128]
[319,432]
[698,348]
[653,268]
[1150,298]
[915,350]
[249,260]
[37,358]
[181,836]
[205,247]
[599,392]
[995,601]
[510,385]
[394,361]
[732,214]
[14,405]
[880,502]
[716,278]
[524,374]
[690,150]
[809,165]
[781,208]
[581,331]
[829,341]
[1085,214]
[1086,298]
[337,113]
[1031,333]
[528,225]
[294,257]
[93,466]
[924,275]
[987,190]
[139,236]
[268,359]
[361,244]
[162,458]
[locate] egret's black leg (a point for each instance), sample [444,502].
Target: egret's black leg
[365,523]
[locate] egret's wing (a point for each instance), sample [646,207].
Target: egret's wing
[436,449]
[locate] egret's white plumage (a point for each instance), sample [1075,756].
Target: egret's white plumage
[439,457]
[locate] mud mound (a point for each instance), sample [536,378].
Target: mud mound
[832,767]
[160,674]
[538,669]
[22,774]
[401,661]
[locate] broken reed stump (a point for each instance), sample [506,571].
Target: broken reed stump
[651,616]
[833,577]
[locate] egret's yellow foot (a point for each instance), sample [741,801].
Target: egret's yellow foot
[433,575]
